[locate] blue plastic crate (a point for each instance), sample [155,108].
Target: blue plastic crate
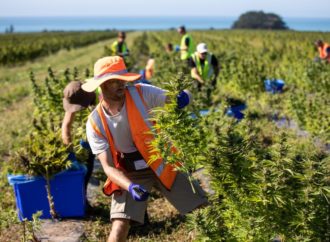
[235,111]
[274,86]
[202,113]
[67,189]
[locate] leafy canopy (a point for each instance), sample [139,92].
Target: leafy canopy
[259,20]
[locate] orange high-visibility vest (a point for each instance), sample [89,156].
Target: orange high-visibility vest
[323,50]
[141,127]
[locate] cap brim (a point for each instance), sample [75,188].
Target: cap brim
[202,52]
[93,83]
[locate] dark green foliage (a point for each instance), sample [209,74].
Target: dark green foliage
[18,48]
[259,20]
[266,184]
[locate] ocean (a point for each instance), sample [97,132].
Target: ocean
[37,24]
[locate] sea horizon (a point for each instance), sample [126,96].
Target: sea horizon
[90,23]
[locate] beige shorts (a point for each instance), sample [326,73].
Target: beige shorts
[181,196]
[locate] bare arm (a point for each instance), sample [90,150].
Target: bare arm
[195,75]
[185,48]
[115,175]
[66,127]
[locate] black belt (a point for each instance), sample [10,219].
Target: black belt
[128,160]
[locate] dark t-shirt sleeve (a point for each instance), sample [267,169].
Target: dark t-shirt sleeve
[214,61]
[119,47]
[191,62]
[186,41]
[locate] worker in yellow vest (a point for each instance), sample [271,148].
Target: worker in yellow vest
[186,46]
[204,66]
[119,133]
[119,47]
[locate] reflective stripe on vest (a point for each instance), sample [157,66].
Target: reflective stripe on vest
[140,127]
[207,70]
[185,54]
[140,105]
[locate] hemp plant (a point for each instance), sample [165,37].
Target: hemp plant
[266,182]
[179,139]
[42,152]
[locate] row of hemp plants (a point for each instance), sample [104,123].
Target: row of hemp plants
[268,181]
[22,47]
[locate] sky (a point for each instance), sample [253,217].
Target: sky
[230,8]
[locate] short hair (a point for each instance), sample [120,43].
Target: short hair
[318,42]
[182,28]
[122,34]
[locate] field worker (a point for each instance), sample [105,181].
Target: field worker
[187,45]
[204,66]
[147,73]
[75,99]
[119,133]
[119,47]
[324,50]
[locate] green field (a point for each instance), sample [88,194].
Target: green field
[270,171]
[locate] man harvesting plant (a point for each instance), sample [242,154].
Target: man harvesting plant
[75,99]
[204,66]
[119,132]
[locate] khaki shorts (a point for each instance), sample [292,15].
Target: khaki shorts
[181,196]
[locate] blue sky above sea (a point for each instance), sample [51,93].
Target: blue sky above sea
[40,15]
[155,8]
[75,23]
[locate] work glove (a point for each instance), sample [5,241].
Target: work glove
[177,48]
[183,98]
[72,156]
[84,144]
[138,192]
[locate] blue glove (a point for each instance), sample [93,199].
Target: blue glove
[177,48]
[182,99]
[138,192]
[84,144]
[72,157]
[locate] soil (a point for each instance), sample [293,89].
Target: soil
[165,223]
